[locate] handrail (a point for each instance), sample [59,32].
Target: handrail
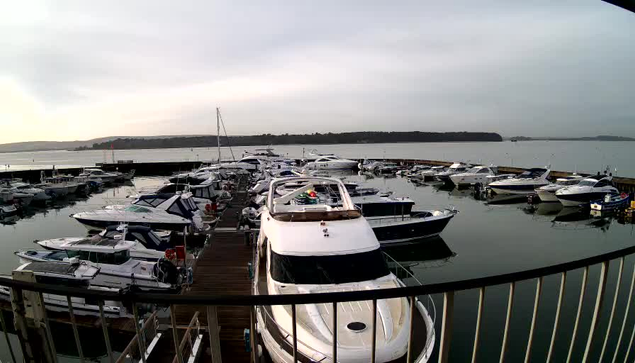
[288,299]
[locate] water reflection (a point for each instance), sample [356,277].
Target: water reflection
[430,252]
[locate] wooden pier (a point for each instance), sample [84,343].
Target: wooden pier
[221,269]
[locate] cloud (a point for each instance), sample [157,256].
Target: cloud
[80,69]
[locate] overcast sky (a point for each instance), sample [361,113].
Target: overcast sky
[83,69]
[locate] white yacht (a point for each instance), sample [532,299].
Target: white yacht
[39,195]
[428,175]
[73,274]
[158,211]
[112,258]
[475,175]
[150,246]
[331,162]
[548,192]
[99,175]
[525,183]
[588,190]
[318,248]
[455,168]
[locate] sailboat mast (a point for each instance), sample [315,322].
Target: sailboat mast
[218,131]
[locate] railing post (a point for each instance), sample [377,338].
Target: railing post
[413,301]
[47,326]
[508,320]
[334,332]
[374,332]
[628,306]
[175,334]
[615,298]
[585,276]
[140,342]
[597,311]
[556,322]
[104,327]
[75,331]
[6,336]
[481,298]
[214,338]
[446,326]
[294,329]
[252,336]
[534,317]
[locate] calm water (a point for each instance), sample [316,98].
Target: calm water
[583,156]
[482,240]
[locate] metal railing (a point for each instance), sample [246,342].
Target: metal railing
[447,289]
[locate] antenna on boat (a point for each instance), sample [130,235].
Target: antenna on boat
[218,131]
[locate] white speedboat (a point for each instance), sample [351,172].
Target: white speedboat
[39,195]
[73,274]
[331,162]
[476,175]
[312,248]
[525,183]
[589,189]
[99,175]
[116,268]
[456,168]
[428,175]
[12,195]
[548,192]
[150,246]
[158,211]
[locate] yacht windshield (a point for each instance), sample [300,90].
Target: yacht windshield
[336,269]
[587,183]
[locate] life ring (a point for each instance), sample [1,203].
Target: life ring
[170,254]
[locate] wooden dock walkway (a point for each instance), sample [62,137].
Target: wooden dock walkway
[221,269]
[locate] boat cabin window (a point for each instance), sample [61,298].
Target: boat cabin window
[602,183]
[137,209]
[483,171]
[116,258]
[175,208]
[335,269]
[588,183]
[150,202]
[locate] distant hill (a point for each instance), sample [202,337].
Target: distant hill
[591,138]
[288,139]
[64,145]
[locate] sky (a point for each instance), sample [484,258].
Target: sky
[76,70]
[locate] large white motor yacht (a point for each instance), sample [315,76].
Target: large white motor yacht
[308,246]
[548,192]
[525,183]
[331,162]
[475,175]
[158,211]
[588,190]
[455,168]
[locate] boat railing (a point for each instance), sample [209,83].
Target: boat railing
[591,337]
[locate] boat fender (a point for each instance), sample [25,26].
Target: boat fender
[247,338]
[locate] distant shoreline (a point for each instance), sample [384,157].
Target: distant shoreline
[288,139]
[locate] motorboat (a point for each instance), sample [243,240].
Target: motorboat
[611,202]
[73,274]
[151,245]
[318,248]
[383,205]
[476,175]
[12,195]
[548,192]
[158,211]
[414,226]
[413,171]
[39,195]
[54,189]
[456,168]
[428,175]
[8,210]
[589,189]
[331,162]
[209,191]
[523,184]
[100,175]
[66,181]
[116,268]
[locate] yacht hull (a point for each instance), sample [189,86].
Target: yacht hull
[547,196]
[525,189]
[98,225]
[581,199]
[403,229]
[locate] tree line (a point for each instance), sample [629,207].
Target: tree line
[294,139]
